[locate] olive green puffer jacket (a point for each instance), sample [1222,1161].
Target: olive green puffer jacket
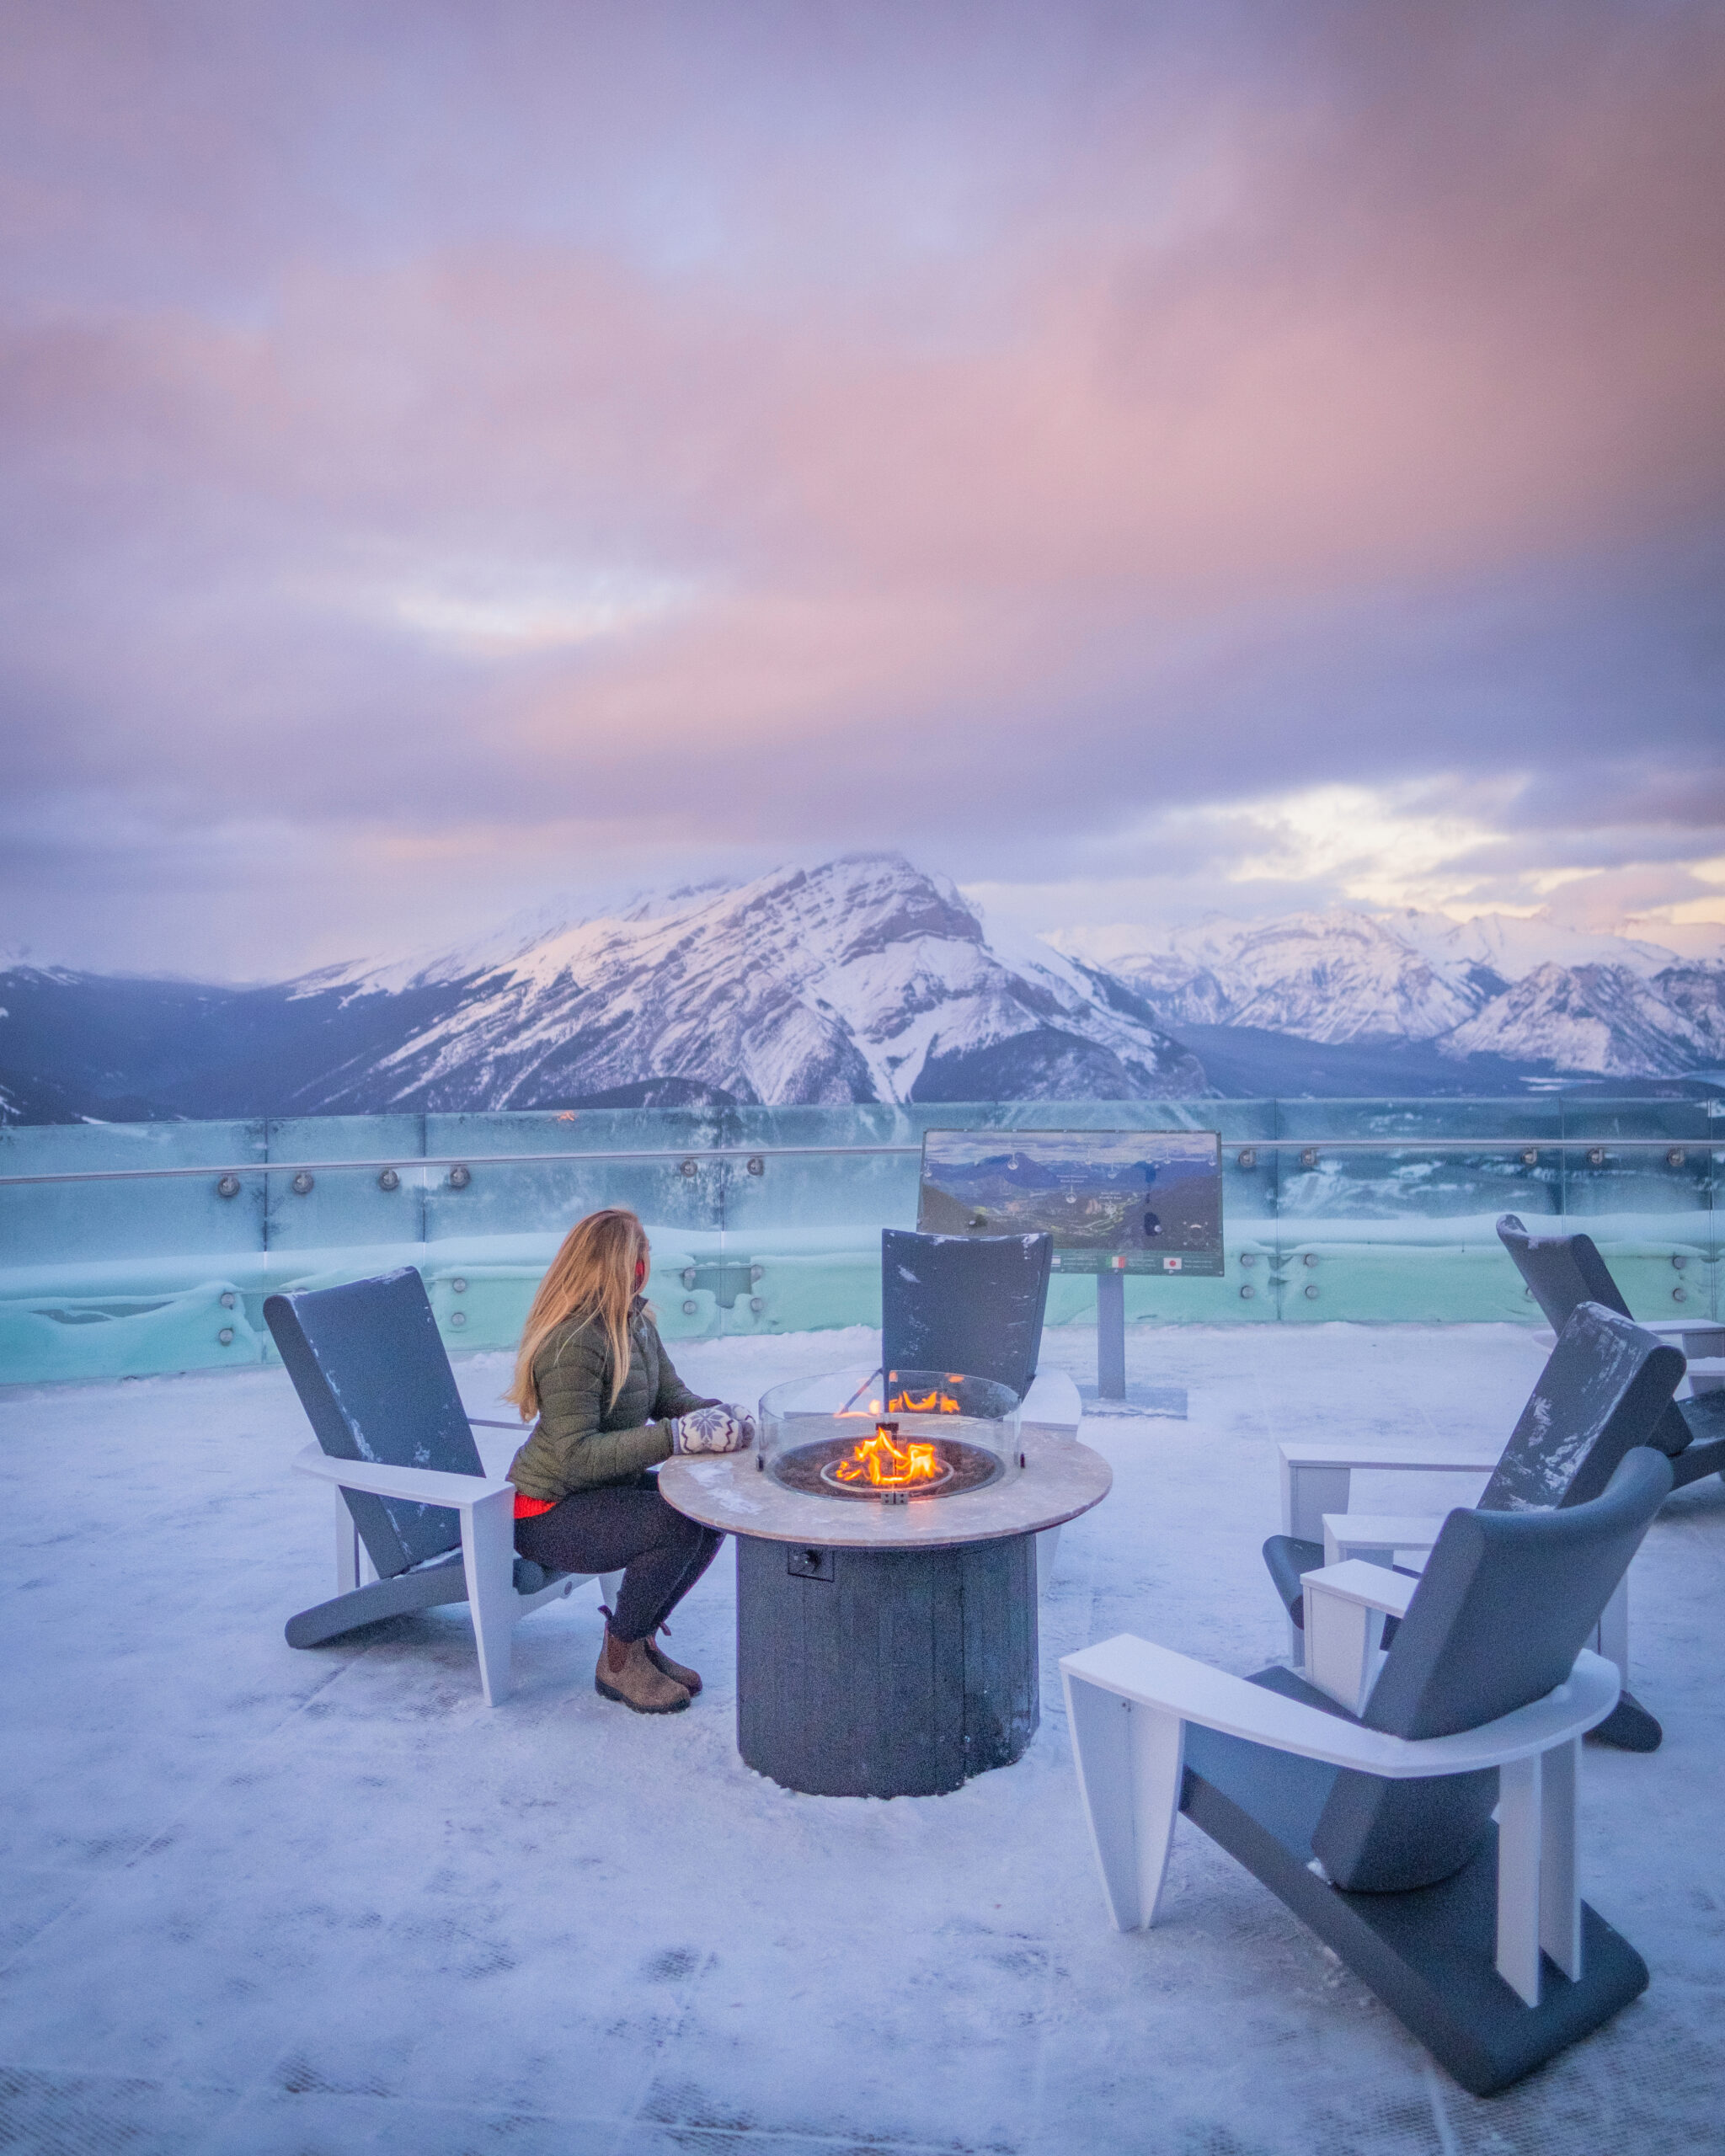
[583,1438]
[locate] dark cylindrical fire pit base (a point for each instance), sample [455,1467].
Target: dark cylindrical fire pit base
[884,1673]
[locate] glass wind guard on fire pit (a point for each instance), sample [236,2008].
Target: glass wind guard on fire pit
[890,1435]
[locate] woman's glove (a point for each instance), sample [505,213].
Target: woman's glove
[711,1430]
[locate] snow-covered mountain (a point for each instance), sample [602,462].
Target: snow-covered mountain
[1605,1018]
[1524,990]
[860,980]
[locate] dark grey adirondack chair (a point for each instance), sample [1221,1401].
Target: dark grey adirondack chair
[1606,1388]
[1365,1803]
[411,1491]
[976,1303]
[969,1303]
[1563,1270]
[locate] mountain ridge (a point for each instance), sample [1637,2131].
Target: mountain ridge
[1622,1008]
[860,979]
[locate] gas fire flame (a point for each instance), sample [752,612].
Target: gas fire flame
[882,1461]
[908,1403]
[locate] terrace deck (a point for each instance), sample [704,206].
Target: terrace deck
[259,1900]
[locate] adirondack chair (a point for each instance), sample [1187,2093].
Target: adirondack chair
[1362,1795]
[976,1303]
[1563,1270]
[1604,1388]
[412,1495]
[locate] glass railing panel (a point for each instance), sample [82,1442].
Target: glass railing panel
[316,1204]
[1639,1175]
[45,1224]
[1386,1209]
[1392,1216]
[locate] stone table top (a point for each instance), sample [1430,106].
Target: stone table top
[734,1494]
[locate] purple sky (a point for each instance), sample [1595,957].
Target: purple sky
[1137,459]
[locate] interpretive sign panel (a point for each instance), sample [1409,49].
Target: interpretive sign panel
[1115,1201]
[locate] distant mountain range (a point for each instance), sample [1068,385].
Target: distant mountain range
[1489,987]
[864,979]
[860,980]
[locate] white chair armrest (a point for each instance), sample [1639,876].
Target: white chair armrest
[1471,1460]
[1346,1534]
[1372,1587]
[1708,1334]
[1052,1407]
[1317,1478]
[1142,1673]
[423,1485]
[1707,1373]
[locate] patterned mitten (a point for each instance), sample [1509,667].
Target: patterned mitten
[708,1429]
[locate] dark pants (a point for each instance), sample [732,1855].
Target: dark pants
[625,1527]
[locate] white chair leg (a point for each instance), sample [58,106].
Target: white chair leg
[1613,1634]
[1131,1761]
[488,1555]
[1158,1771]
[611,1586]
[1519,1902]
[1560,1879]
[1048,1544]
[347,1547]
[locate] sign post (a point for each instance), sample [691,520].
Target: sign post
[1111,1336]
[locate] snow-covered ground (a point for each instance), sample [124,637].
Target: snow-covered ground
[260,1900]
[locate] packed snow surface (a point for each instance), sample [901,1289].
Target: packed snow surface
[264,1901]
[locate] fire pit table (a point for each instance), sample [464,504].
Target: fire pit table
[886,1530]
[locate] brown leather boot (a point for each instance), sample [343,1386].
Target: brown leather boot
[678,1673]
[627,1672]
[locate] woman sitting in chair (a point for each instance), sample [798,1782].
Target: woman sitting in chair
[591,1367]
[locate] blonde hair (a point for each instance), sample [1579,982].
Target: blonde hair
[592,1275]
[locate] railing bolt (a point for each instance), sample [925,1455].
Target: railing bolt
[1596,1156]
[1246,1157]
[690,1167]
[757,1166]
[1308,1159]
[225,1337]
[389,1180]
[1674,1159]
[459,1177]
[304,1184]
[228,1186]
[1529,1159]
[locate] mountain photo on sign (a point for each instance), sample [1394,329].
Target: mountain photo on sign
[1115,1201]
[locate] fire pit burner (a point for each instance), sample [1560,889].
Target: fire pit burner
[939,1468]
[896,1437]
